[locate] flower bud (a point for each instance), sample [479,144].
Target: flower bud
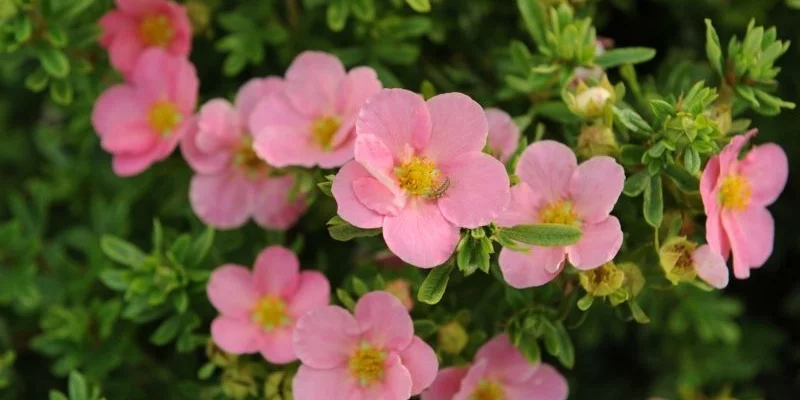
[199,16]
[721,114]
[597,140]
[634,280]
[238,382]
[452,337]
[603,280]
[591,102]
[401,289]
[677,261]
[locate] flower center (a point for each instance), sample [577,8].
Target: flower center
[163,117]
[367,364]
[603,280]
[735,192]
[420,177]
[247,159]
[270,312]
[155,30]
[488,390]
[558,212]
[323,130]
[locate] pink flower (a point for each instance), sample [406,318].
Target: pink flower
[232,184]
[503,134]
[260,309]
[141,121]
[710,266]
[138,25]
[373,355]
[736,193]
[554,189]
[420,174]
[500,372]
[311,121]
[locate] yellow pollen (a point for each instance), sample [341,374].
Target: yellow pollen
[163,117]
[323,130]
[419,177]
[247,159]
[155,30]
[270,312]
[558,212]
[488,390]
[735,192]
[367,364]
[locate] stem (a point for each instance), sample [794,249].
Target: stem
[656,241]
[292,13]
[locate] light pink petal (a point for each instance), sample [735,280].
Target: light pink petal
[420,235]
[163,76]
[478,191]
[752,235]
[547,167]
[522,207]
[397,382]
[373,155]
[716,236]
[222,200]
[377,197]
[458,126]
[230,290]
[282,146]
[220,127]
[710,266]
[399,118]
[252,92]
[125,50]
[766,168]
[202,162]
[524,270]
[276,272]
[729,156]
[117,107]
[599,244]
[348,206]
[128,164]
[272,208]
[313,291]
[134,137]
[275,110]
[325,337]
[354,90]
[181,44]
[503,133]
[338,156]
[545,384]
[276,347]
[235,335]
[446,385]
[138,7]
[504,361]
[111,23]
[329,384]
[708,185]
[421,362]
[595,188]
[384,321]
[312,81]
[477,373]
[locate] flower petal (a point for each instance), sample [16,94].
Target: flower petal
[312,80]
[329,384]
[547,167]
[708,185]
[230,290]
[478,190]
[222,200]
[276,347]
[599,244]
[313,291]
[545,384]
[377,197]
[348,206]
[766,168]
[284,146]
[399,118]
[376,158]
[272,208]
[354,90]
[446,384]
[397,382]
[716,236]
[503,134]
[595,188]
[199,160]
[729,156]
[276,272]
[421,363]
[420,235]
[254,91]
[235,335]
[125,50]
[325,337]
[710,266]
[384,321]
[475,375]
[458,126]
[752,235]
[505,361]
[524,270]
[117,107]
[521,208]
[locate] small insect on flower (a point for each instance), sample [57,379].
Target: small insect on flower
[439,191]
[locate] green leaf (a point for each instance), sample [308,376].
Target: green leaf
[345,299]
[359,287]
[37,80]
[683,179]
[420,5]
[534,16]
[167,331]
[636,184]
[585,302]
[61,92]
[121,251]
[337,14]
[427,90]
[200,247]
[425,328]
[638,314]
[556,111]
[713,48]
[326,187]
[548,235]
[747,94]
[54,61]
[24,29]
[56,395]
[691,160]
[626,55]
[342,231]
[115,279]
[566,353]
[56,35]
[206,371]
[654,202]
[77,387]
[435,284]
[529,346]
[363,9]
[631,154]
[234,63]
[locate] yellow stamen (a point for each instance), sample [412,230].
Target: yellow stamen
[488,390]
[270,312]
[323,130]
[420,177]
[164,117]
[558,212]
[735,192]
[155,30]
[367,364]
[247,159]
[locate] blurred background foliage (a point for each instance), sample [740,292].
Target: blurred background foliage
[106,275]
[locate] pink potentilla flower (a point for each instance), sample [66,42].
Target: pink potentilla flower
[503,134]
[232,184]
[138,25]
[499,372]
[420,174]
[260,309]
[141,121]
[311,121]
[554,189]
[372,355]
[736,193]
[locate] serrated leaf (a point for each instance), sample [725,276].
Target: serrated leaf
[121,251]
[683,179]
[548,235]
[435,284]
[653,207]
[636,184]
[626,55]
[420,5]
